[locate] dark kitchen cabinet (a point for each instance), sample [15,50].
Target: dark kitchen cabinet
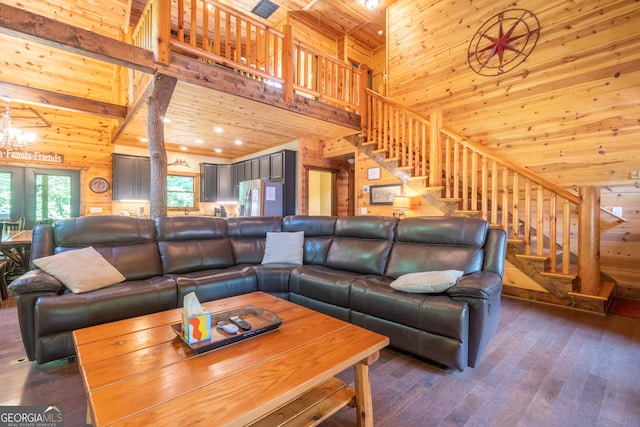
[265,167]
[208,182]
[283,163]
[131,177]
[226,182]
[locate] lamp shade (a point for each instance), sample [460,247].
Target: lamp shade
[401,202]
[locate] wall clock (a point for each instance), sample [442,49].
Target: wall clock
[99,185]
[503,42]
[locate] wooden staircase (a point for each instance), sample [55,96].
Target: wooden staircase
[549,240]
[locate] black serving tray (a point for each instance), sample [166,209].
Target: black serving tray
[262,320]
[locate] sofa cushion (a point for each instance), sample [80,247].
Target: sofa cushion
[318,234]
[284,248]
[215,284]
[191,243]
[437,314]
[322,283]
[129,244]
[248,235]
[80,270]
[437,243]
[361,244]
[427,281]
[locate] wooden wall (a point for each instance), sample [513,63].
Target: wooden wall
[85,145]
[570,112]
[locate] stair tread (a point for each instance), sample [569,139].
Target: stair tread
[418,177]
[606,292]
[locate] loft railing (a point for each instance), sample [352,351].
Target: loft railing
[218,34]
[532,209]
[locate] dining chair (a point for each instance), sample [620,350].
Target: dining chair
[13,225]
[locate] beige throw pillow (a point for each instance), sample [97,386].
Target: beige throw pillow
[80,270]
[284,248]
[427,282]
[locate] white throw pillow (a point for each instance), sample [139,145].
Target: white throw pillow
[284,248]
[427,282]
[80,270]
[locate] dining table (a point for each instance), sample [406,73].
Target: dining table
[15,245]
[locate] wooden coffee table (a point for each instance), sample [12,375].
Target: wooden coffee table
[139,372]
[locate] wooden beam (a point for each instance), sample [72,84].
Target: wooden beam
[39,29]
[226,80]
[157,104]
[45,98]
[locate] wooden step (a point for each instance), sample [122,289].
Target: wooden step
[379,151]
[405,168]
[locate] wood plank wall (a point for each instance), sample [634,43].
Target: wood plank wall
[569,112]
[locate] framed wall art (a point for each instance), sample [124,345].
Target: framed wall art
[383,194]
[373,173]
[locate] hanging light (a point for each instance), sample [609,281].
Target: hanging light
[11,136]
[371,4]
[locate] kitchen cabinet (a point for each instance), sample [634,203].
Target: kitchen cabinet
[131,177]
[226,182]
[208,182]
[265,167]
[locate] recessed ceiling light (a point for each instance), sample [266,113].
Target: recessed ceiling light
[380,33]
[218,129]
[166,120]
[238,142]
[199,141]
[218,150]
[183,148]
[144,140]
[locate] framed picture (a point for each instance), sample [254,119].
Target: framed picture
[373,173]
[383,194]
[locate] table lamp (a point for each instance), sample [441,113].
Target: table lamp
[401,203]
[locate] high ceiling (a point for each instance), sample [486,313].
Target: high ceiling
[194,111]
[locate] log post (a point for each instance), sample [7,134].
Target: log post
[161,10]
[362,96]
[157,105]
[589,241]
[287,63]
[435,151]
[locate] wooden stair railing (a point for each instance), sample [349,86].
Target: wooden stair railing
[537,214]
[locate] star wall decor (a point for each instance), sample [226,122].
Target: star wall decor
[503,42]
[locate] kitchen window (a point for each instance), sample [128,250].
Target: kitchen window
[181,191]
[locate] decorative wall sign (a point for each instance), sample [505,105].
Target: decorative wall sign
[503,42]
[99,185]
[383,194]
[373,173]
[31,156]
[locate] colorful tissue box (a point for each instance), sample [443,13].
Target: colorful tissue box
[196,327]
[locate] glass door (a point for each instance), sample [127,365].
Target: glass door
[51,194]
[38,195]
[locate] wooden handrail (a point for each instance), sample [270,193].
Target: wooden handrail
[564,193]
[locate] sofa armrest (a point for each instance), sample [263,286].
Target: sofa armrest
[482,284]
[36,281]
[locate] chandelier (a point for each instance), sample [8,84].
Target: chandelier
[11,136]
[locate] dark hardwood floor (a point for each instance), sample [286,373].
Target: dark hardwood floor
[547,366]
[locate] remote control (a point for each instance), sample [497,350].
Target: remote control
[229,328]
[240,323]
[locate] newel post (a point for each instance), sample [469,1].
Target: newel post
[435,150]
[589,241]
[287,63]
[362,95]
[161,19]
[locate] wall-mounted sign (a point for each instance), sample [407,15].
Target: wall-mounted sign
[30,156]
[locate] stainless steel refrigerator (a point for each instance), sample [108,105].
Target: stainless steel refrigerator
[260,198]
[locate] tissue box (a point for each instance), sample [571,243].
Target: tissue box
[196,327]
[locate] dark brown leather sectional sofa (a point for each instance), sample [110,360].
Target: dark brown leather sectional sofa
[349,263]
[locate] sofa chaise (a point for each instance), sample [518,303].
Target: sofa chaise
[346,269]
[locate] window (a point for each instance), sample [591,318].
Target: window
[5,195]
[180,191]
[53,197]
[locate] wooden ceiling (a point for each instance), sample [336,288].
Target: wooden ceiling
[194,111]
